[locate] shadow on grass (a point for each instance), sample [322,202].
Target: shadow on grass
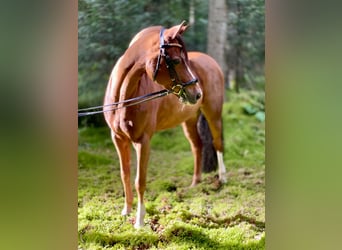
[133,240]
[194,237]
[184,236]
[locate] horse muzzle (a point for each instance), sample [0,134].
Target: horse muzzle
[187,93]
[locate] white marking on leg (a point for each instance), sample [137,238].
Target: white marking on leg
[141,211]
[126,210]
[221,167]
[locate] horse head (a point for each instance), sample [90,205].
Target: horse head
[169,65]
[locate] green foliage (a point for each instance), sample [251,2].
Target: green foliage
[208,216]
[171,140]
[246,39]
[244,135]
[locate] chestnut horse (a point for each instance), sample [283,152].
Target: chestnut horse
[157,59]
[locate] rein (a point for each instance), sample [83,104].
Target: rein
[135,101]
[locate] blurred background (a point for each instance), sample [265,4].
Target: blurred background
[231,31]
[38,59]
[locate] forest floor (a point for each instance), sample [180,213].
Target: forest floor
[208,216]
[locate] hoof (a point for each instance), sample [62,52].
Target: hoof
[223,179]
[126,211]
[194,183]
[139,221]
[138,224]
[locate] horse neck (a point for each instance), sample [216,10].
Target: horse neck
[129,85]
[130,67]
[125,77]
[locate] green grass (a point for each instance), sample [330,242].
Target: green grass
[207,216]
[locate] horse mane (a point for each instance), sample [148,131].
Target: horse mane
[146,32]
[142,33]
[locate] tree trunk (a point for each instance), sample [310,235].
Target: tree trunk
[192,13]
[217,33]
[234,51]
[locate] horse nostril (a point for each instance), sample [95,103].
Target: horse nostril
[198,96]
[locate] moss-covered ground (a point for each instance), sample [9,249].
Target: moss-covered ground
[208,216]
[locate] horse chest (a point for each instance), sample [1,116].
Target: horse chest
[175,115]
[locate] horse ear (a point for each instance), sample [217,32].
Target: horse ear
[176,30]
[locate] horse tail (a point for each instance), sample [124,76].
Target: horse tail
[209,157]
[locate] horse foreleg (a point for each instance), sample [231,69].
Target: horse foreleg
[143,151]
[191,133]
[124,152]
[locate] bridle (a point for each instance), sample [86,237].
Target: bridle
[178,86]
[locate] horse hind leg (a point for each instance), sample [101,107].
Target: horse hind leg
[124,152]
[209,157]
[215,126]
[216,130]
[222,167]
[190,131]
